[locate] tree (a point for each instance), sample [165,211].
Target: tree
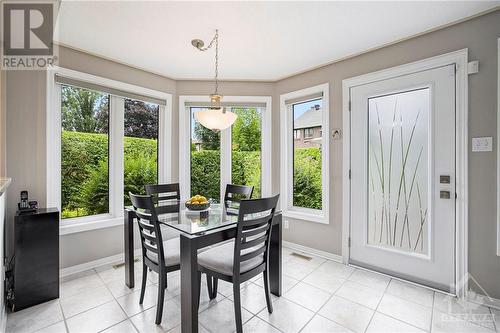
[84,110]
[141,119]
[210,140]
[246,130]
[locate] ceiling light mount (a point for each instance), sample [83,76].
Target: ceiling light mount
[198,43]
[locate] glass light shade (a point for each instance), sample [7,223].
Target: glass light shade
[215,119]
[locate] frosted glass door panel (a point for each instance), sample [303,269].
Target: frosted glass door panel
[398,186]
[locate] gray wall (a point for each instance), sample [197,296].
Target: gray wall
[3,135]
[480,36]
[26,136]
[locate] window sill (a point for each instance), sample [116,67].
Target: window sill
[81,225]
[306,216]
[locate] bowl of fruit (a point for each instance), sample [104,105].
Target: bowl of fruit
[198,202]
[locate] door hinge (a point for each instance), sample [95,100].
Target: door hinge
[456,195]
[349,106]
[349,242]
[349,173]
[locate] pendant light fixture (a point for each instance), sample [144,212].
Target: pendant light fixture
[214,117]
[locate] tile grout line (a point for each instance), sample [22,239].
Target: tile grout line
[378,304]
[328,300]
[116,300]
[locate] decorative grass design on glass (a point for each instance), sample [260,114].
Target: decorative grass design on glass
[398,130]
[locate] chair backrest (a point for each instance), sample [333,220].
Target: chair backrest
[149,228]
[236,193]
[165,196]
[253,234]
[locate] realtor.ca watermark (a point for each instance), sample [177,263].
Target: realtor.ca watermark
[472,311]
[27,35]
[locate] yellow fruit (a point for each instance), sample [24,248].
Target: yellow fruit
[203,198]
[204,202]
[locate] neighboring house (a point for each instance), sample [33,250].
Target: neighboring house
[307,128]
[196,144]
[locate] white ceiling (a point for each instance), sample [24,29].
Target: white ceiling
[258,40]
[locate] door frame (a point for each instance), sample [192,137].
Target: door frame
[459,59]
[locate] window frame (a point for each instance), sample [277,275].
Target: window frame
[225,144]
[296,134]
[286,165]
[116,147]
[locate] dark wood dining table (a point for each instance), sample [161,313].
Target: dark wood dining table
[199,230]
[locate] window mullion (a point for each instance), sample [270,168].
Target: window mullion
[116,154]
[225,159]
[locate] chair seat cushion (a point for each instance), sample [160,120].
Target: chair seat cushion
[220,259]
[171,250]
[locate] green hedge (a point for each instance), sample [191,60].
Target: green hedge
[84,166]
[85,172]
[307,178]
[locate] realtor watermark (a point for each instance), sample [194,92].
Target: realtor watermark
[471,311]
[27,35]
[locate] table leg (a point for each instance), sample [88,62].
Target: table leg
[275,264]
[128,219]
[189,285]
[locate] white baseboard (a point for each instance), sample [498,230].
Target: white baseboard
[483,300]
[95,263]
[319,253]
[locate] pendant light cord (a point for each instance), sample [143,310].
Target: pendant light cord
[216,41]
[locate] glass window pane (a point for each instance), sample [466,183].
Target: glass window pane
[307,186]
[205,160]
[84,152]
[398,176]
[140,146]
[246,148]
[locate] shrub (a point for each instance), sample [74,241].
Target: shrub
[205,173]
[307,187]
[246,169]
[85,172]
[84,168]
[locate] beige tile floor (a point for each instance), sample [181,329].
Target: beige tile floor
[318,296]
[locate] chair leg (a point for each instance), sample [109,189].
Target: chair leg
[161,297]
[214,288]
[268,294]
[237,307]
[209,286]
[144,279]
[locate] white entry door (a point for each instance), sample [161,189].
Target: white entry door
[403,177]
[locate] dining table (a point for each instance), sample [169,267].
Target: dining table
[198,230]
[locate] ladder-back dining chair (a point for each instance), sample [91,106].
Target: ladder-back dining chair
[157,255]
[244,257]
[233,196]
[165,196]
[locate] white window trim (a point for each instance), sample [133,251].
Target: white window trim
[185,147]
[53,136]
[286,195]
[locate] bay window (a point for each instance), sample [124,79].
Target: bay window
[105,138]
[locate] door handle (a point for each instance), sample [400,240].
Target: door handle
[444,194]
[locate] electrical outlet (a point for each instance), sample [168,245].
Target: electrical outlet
[287,224]
[482,144]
